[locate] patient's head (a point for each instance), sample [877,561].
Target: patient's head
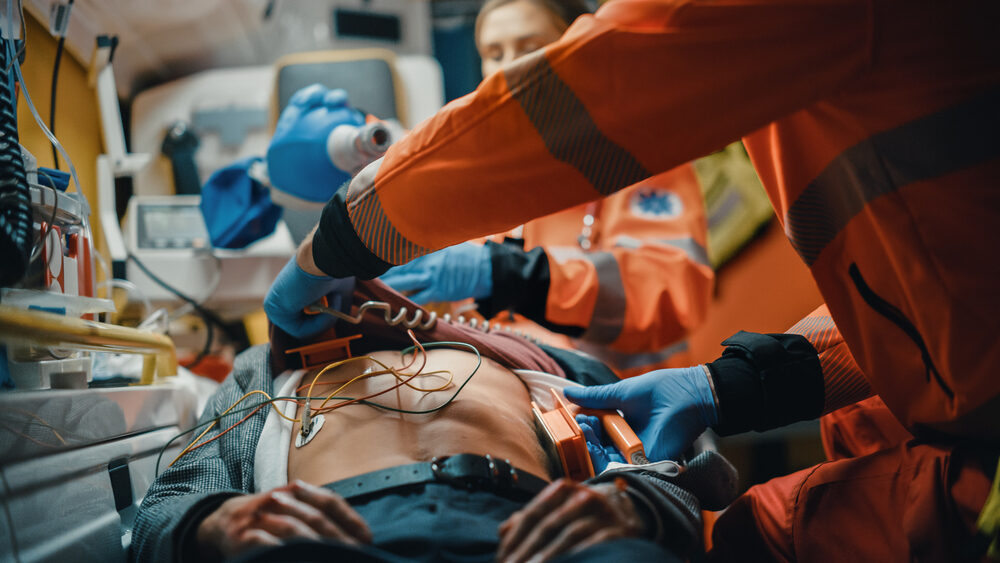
[508,29]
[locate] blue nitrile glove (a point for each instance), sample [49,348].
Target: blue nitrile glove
[666,408]
[450,274]
[298,164]
[294,289]
[601,454]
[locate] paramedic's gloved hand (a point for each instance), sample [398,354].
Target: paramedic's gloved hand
[601,452]
[298,162]
[450,274]
[297,510]
[666,408]
[294,289]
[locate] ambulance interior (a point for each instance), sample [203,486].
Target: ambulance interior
[126,315]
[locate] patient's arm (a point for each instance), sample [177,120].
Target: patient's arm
[657,502]
[297,510]
[202,479]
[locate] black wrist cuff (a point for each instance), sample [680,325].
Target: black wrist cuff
[520,280]
[336,248]
[521,284]
[764,381]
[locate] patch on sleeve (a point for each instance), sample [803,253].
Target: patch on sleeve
[656,203]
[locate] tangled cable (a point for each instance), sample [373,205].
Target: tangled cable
[401,380]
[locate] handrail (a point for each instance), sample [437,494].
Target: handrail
[160,357]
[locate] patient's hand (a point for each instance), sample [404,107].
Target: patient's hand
[567,517]
[297,510]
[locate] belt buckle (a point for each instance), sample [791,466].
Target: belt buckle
[466,471]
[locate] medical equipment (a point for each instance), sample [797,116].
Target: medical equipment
[320,353]
[353,148]
[414,321]
[60,269]
[320,142]
[622,435]
[400,319]
[61,279]
[179,145]
[563,439]
[168,235]
[310,426]
[168,223]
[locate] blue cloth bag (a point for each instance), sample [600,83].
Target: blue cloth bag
[237,209]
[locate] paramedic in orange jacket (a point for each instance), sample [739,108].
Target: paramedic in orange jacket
[872,124]
[626,277]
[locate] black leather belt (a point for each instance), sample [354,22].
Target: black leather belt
[464,471]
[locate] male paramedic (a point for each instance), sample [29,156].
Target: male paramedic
[872,124]
[623,279]
[442,462]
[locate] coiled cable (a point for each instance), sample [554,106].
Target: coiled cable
[400,319]
[15,196]
[416,320]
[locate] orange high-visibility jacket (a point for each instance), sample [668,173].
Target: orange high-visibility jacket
[627,276]
[871,123]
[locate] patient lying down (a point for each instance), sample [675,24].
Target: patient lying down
[351,489]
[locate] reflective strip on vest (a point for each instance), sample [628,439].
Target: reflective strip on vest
[732,202]
[950,140]
[567,129]
[608,317]
[691,247]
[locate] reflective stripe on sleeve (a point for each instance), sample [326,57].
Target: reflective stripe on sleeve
[843,381]
[378,233]
[567,128]
[935,145]
[371,224]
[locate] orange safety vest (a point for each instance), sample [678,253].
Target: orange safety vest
[631,269]
[872,125]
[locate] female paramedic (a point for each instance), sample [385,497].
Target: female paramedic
[872,124]
[626,277]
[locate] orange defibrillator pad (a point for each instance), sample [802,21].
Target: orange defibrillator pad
[562,437]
